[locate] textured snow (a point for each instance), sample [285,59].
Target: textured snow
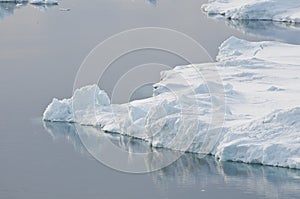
[276,10]
[273,140]
[262,107]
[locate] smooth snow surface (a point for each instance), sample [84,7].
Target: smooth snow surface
[276,10]
[262,114]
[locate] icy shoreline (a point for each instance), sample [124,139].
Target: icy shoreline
[262,107]
[275,10]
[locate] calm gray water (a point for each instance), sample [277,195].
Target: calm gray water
[41,50]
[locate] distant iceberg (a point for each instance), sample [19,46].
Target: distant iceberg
[261,114]
[49,2]
[7,7]
[275,10]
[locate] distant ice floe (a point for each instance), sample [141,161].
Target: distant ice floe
[268,19]
[7,7]
[31,1]
[262,114]
[275,10]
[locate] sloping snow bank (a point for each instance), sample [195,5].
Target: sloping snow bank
[276,10]
[258,78]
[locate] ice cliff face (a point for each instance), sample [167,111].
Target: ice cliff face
[273,140]
[261,112]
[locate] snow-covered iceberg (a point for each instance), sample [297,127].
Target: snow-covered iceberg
[261,112]
[276,10]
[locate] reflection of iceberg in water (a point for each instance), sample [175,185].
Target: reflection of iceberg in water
[191,170]
[8,8]
[65,130]
[152,2]
[99,144]
[278,31]
[263,181]
[43,7]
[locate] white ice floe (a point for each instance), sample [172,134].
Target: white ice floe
[262,114]
[276,10]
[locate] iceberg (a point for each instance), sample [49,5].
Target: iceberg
[275,10]
[261,108]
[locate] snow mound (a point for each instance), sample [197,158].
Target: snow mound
[258,78]
[275,10]
[85,99]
